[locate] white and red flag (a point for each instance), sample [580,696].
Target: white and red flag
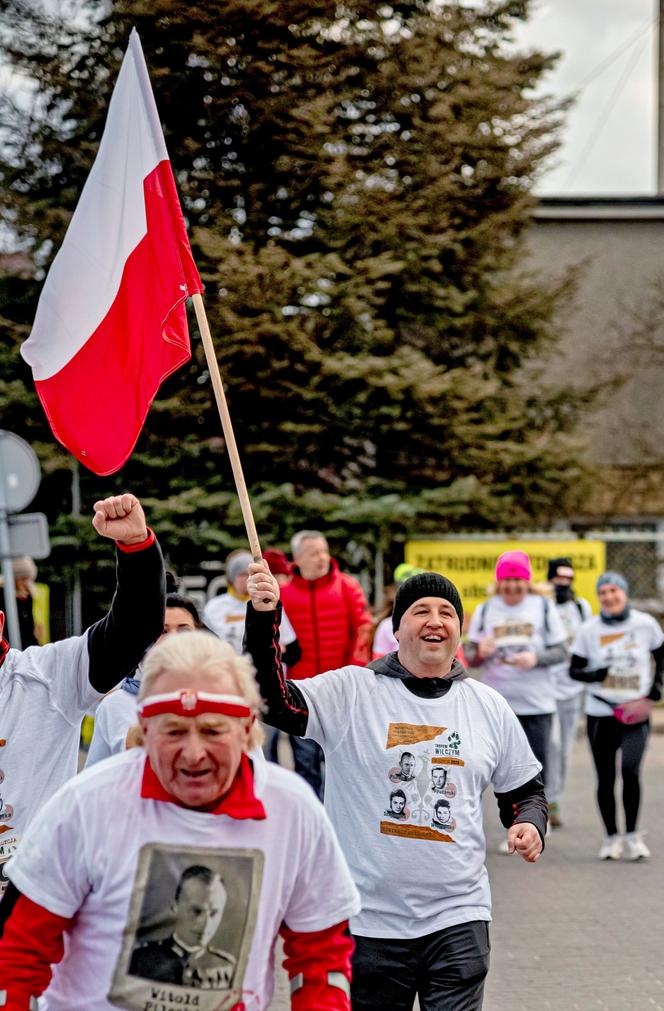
[111,321]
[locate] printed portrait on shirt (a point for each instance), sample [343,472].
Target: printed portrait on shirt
[191,922]
[9,838]
[442,816]
[397,807]
[428,759]
[404,772]
[512,636]
[621,657]
[440,783]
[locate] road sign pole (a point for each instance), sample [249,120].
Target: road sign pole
[11,611]
[19,481]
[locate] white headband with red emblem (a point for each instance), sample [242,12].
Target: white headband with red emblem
[190,703]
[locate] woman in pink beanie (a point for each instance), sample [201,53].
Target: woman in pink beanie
[514,638]
[514,565]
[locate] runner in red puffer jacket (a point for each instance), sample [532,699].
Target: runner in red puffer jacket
[332,623]
[331,619]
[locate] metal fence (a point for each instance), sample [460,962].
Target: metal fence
[639,555]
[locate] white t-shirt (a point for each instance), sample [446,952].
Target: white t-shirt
[572,614]
[418,867]
[384,640]
[225,616]
[114,859]
[625,649]
[516,629]
[116,713]
[44,695]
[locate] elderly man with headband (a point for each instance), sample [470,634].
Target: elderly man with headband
[418,934]
[89,917]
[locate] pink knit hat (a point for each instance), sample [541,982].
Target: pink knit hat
[513,565]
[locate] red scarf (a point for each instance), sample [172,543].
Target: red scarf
[4,650]
[239,802]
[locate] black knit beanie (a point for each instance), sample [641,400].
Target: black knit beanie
[558,563]
[426,584]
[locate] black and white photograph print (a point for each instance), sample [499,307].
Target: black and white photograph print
[191,923]
[440,782]
[397,806]
[442,816]
[404,772]
[187,955]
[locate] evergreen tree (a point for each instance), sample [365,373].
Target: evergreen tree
[357,181]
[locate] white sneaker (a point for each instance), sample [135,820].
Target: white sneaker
[504,848]
[611,848]
[635,848]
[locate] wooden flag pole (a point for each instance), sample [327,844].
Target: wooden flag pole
[227,427]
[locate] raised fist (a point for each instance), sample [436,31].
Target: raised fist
[121,518]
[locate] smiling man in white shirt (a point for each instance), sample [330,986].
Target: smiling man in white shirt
[415,707]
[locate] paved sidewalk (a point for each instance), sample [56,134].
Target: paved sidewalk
[571,932]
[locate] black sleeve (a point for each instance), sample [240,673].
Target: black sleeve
[655,692]
[286,708]
[578,672]
[291,653]
[9,900]
[525,804]
[135,619]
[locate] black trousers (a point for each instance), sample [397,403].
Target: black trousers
[538,731]
[446,970]
[607,736]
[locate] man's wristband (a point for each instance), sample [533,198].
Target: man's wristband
[139,546]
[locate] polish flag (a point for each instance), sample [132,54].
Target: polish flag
[111,321]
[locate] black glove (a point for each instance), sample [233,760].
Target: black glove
[655,693]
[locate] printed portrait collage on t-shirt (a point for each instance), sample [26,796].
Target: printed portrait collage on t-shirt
[622,657]
[420,794]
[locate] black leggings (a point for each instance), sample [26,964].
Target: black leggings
[538,731]
[608,736]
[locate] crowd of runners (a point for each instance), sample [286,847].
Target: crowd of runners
[161,876]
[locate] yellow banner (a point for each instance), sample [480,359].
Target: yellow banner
[471,564]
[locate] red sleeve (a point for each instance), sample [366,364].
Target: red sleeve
[318,966]
[360,623]
[31,942]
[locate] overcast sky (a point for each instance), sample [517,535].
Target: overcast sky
[610,137]
[609,143]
